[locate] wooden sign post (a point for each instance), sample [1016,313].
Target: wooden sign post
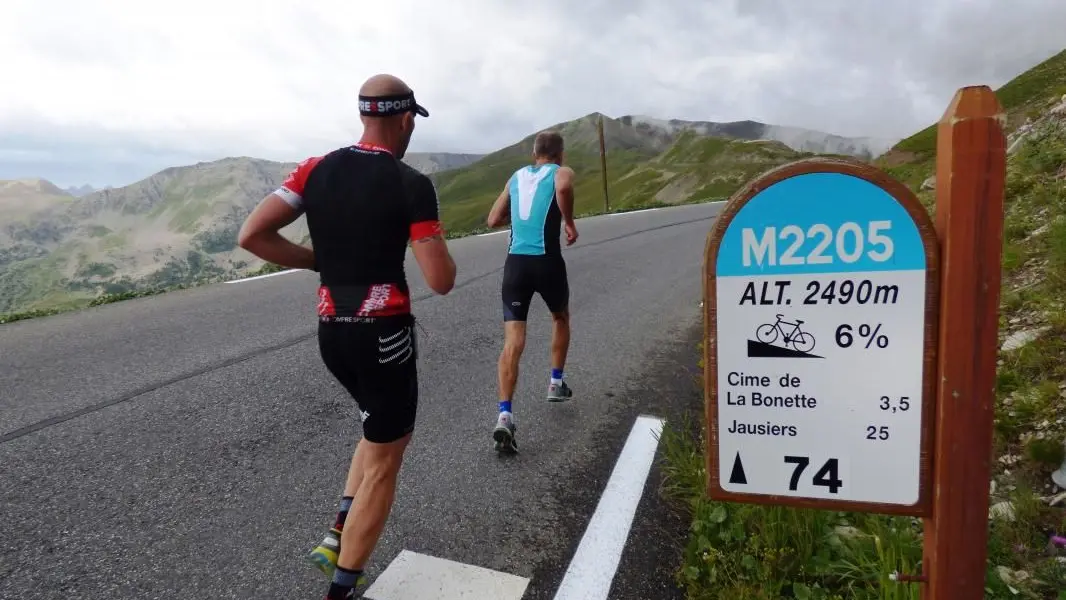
[970,176]
[835,375]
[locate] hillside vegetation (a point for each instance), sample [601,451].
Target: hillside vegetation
[178,227]
[745,552]
[161,231]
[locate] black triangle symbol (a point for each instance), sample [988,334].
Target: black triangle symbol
[737,476]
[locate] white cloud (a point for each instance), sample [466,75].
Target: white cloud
[108,91]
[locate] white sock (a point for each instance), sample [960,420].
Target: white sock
[556,380]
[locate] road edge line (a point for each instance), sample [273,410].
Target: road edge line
[264,276]
[594,564]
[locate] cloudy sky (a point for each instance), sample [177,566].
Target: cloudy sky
[111,91]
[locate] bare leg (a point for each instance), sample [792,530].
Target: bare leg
[373,498]
[355,471]
[560,338]
[514,342]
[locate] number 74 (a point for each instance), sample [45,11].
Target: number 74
[828,476]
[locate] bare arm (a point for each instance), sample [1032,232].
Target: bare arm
[435,262]
[259,235]
[427,237]
[500,214]
[564,193]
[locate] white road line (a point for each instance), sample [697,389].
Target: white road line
[264,276]
[414,576]
[592,569]
[492,233]
[633,212]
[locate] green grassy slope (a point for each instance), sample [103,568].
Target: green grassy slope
[911,160]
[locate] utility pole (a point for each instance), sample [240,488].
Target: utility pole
[603,167]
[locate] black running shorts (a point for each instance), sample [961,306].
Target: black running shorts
[375,360]
[524,275]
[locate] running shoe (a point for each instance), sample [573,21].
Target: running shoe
[559,392]
[355,593]
[504,434]
[324,556]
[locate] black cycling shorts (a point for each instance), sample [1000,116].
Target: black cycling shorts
[524,275]
[375,360]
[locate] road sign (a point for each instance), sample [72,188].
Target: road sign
[821,300]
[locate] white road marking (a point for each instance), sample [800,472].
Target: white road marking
[492,233]
[592,569]
[412,576]
[633,212]
[264,276]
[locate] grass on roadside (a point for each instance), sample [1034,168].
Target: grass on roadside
[749,552]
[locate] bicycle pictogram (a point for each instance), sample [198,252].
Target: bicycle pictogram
[800,340]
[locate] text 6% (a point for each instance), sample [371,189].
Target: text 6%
[868,335]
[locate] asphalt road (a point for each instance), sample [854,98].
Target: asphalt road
[192,445]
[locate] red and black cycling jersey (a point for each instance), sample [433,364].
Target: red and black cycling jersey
[363,206]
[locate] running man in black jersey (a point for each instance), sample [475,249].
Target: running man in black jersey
[536,201]
[363,205]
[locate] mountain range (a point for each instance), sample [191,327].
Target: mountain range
[82,190]
[179,226]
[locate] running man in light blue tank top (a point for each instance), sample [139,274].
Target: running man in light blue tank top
[535,216]
[537,201]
